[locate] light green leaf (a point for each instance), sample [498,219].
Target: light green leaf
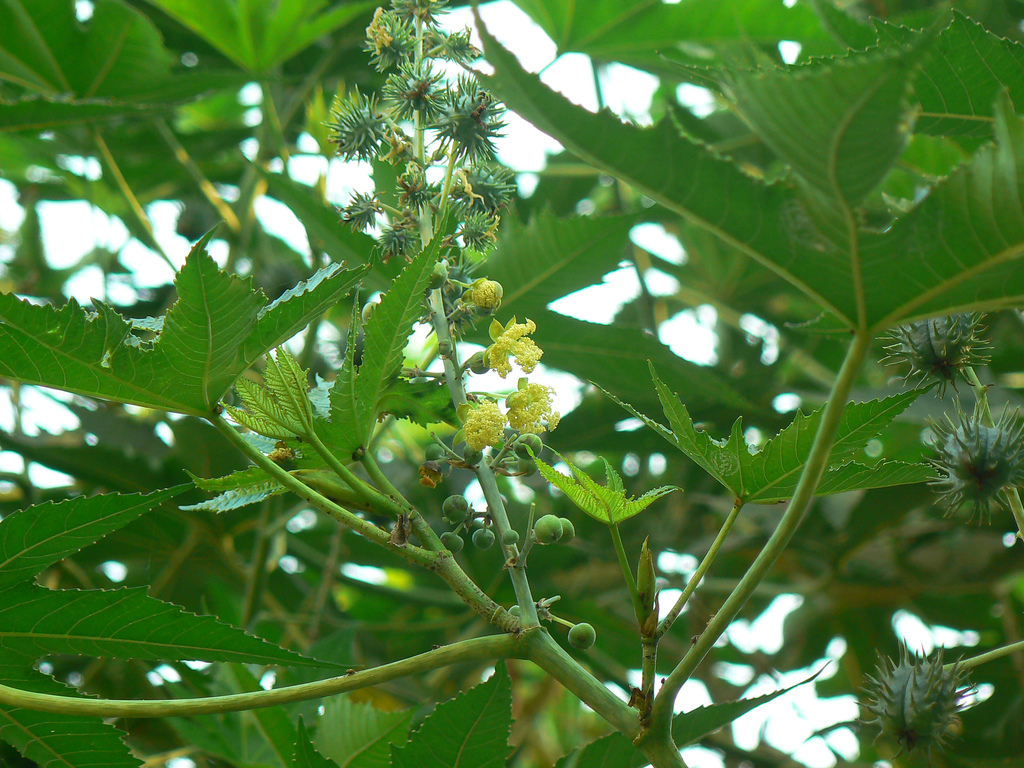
[214,331]
[770,474]
[58,741]
[469,731]
[356,735]
[257,36]
[124,623]
[609,503]
[35,538]
[247,486]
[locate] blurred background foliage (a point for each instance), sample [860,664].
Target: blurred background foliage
[211,107]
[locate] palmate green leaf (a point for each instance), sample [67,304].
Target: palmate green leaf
[637,32]
[965,73]
[239,489]
[58,741]
[550,258]
[770,474]
[840,126]
[306,755]
[124,623]
[33,539]
[356,735]
[607,503]
[257,36]
[357,392]
[767,223]
[960,248]
[611,751]
[469,731]
[694,725]
[59,71]
[215,330]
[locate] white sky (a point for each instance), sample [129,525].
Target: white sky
[72,229]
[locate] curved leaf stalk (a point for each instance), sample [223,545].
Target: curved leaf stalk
[983,658]
[627,574]
[477,649]
[981,396]
[803,495]
[666,624]
[453,375]
[428,536]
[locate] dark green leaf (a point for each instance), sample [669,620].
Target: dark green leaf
[469,731]
[611,751]
[124,623]
[35,538]
[274,723]
[64,741]
[306,755]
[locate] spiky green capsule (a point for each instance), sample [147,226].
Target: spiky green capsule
[938,350]
[975,462]
[916,700]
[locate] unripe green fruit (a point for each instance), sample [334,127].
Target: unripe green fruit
[478,363]
[440,275]
[455,509]
[548,529]
[452,541]
[508,538]
[525,442]
[527,467]
[483,538]
[568,529]
[582,636]
[434,452]
[472,456]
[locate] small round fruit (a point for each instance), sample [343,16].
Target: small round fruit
[508,538]
[472,456]
[568,529]
[525,443]
[483,538]
[548,529]
[582,636]
[434,452]
[478,363]
[455,509]
[452,541]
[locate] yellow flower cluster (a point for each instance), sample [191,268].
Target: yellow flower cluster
[484,294]
[529,408]
[484,425]
[513,341]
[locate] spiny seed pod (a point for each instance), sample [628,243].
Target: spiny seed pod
[976,462]
[455,509]
[524,444]
[915,701]
[938,350]
[452,541]
[483,538]
[582,636]
[568,530]
[510,537]
[548,529]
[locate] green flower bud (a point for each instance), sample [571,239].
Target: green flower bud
[568,529]
[455,509]
[472,456]
[478,363]
[483,538]
[434,452]
[526,443]
[508,538]
[514,611]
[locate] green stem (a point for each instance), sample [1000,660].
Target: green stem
[484,474]
[627,574]
[983,658]
[666,624]
[477,649]
[803,495]
[427,536]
